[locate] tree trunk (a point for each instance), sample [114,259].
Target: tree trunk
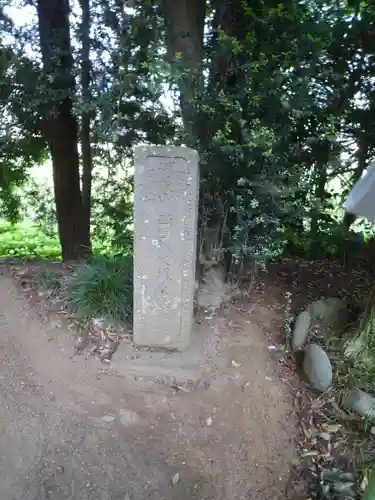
[321,151]
[86,113]
[61,127]
[320,191]
[184,22]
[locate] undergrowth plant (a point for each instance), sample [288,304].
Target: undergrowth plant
[102,288]
[355,352]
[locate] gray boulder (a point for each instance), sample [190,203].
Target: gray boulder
[330,311]
[317,367]
[301,330]
[360,402]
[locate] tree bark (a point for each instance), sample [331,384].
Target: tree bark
[321,151]
[184,22]
[61,127]
[86,113]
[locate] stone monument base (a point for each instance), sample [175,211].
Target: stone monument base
[178,365]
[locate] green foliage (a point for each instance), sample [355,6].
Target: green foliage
[22,144]
[102,288]
[282,92]
[27,241]
[357,366]
[370,489]
[112,212]
[39,206]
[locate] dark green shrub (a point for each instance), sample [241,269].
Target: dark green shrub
[102,288]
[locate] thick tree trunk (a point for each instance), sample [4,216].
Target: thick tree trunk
[227,74]
[86,114]
[61,127]
[184,21]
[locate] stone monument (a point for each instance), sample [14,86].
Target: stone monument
[166,192]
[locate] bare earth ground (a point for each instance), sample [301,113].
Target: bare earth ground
[71,429]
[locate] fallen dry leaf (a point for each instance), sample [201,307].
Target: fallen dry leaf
[312,453]
[332,428]
[307,432]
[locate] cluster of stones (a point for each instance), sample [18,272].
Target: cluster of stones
[331,313]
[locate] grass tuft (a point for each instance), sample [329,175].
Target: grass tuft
[102,288]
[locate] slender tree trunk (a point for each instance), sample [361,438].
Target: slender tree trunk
[320,191]
[61,127]
[322,151]
[86,114]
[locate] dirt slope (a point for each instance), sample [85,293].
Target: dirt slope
[69,429]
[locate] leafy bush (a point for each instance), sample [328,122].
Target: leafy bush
[39,206]
[102,288]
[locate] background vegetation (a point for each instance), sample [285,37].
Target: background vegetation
[277,97]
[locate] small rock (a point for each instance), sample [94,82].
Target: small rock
[108,418]
[360,402]
[101,323]
[175,478]
[235,364]
[330,311]
[317,367]
[209,421]
[301,330]
[80,343]
[372,430]
[346,488]
[128,417]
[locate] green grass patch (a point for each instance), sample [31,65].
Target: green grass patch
[102,288]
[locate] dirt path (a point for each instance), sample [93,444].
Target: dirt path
[71,430]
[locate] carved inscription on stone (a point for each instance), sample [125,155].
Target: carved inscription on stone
[166,199]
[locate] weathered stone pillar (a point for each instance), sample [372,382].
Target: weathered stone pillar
[166,193]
